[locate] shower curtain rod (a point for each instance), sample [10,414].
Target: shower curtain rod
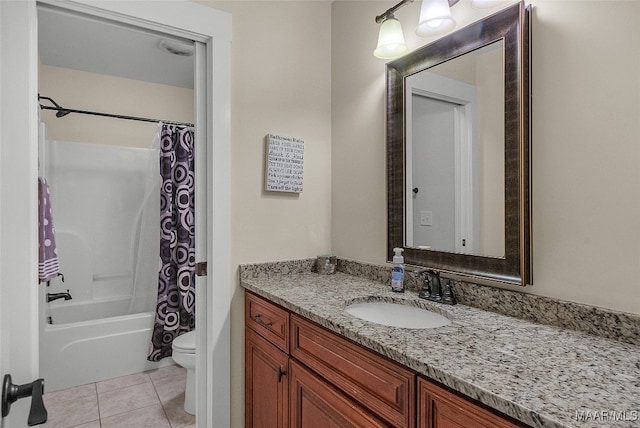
[61,112]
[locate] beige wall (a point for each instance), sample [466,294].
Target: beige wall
[585,149]
[306,69]
[281,84]
[101,93]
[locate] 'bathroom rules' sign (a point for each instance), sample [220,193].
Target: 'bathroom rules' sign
[285,162]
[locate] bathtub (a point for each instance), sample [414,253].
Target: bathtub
[104,201]
[70,311]
[76,351]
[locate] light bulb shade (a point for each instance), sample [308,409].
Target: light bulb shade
[435,18]
[390,40]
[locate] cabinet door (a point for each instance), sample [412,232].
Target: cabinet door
[383,386]
[266,384]
[439,408]
[316,404]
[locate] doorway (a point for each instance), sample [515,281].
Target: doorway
[211,30]
[99,154]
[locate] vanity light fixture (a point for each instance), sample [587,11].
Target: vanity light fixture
[390,39]
[435,18]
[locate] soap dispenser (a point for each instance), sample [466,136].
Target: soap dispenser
[397,272]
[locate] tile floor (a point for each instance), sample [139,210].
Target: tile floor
[153,399]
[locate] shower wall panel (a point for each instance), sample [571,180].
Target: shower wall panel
[98,193]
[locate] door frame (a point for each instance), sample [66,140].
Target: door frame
[18,200]
[19,349]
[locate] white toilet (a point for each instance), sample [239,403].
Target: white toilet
[184,353]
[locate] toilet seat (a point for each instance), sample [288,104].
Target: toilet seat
[185,343]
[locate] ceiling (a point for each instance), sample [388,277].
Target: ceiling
[97,46]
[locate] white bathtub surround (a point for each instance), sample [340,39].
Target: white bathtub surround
[80,352]
[70,311]
[101,196]
[106,203]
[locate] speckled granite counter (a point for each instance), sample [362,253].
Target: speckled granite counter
[542,375]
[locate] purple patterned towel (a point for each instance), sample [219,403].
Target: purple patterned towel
[47,252]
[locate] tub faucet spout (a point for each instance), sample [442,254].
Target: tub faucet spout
[55,296]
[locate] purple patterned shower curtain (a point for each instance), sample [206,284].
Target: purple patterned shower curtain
[175,312]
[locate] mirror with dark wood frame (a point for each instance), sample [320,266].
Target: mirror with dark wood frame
[508,29]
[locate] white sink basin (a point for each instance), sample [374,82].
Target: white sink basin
[397,315]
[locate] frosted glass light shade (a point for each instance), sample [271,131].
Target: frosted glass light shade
[390,40]
[435,18]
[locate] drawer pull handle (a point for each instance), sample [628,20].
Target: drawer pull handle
[259,321]
[281,373]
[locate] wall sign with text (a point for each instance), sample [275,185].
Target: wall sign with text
[285,164]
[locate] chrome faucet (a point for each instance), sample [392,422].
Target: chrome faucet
[55,296]
[433,289]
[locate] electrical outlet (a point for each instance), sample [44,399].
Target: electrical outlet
[426,218]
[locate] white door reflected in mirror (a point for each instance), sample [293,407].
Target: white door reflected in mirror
[455,155]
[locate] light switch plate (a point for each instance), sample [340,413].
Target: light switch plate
[426,218]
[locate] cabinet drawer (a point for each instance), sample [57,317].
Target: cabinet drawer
[383,386]
[268,320]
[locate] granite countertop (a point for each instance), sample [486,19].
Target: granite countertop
[542,375]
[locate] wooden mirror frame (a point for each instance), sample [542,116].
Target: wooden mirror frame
[512,26]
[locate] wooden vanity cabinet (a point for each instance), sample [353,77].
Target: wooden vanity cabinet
[325,381]
[301,375]
[441,408]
